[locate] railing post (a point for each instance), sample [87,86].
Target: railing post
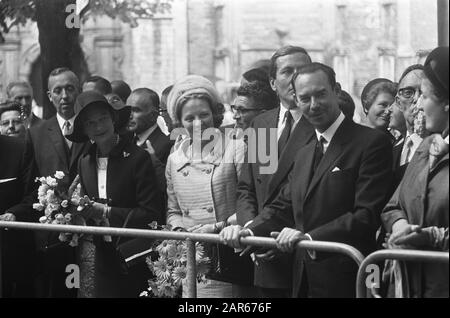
[191,270]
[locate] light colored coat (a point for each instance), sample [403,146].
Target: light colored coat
[203,191]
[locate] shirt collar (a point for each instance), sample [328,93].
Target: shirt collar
[142,137]
[295,112]
[329,133]
[62,121]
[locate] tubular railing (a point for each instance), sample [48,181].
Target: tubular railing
[402,255]
[191,238]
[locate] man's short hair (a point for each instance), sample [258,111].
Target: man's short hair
[150,94]
[59,71]
[312,68]
[101,84]
[263,95]
[285,50]
[256,75]
[10,106]
[122,89]
[17,83]
[409,69]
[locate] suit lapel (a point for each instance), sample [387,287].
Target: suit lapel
[302,135]
[77,150]
[340,138]
[57,139]
[304,174]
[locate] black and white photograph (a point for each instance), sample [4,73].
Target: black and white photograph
[242,152]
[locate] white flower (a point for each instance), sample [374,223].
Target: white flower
[42,191]
[126,154]
[39,207]
[144,294]
[60,218]
[51,182]
[59,175]
[65,204]
[68,217]
[42,180]
[43,219]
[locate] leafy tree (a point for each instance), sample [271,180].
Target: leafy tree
[59,43]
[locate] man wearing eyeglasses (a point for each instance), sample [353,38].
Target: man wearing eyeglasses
[252,99]
[11,121]
[403,115]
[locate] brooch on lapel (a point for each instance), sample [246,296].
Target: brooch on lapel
[126,154]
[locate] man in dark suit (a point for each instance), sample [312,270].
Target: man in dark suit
[402,119]
[17,175]
[258,182]
[335,192]
[144,104]
[54,152]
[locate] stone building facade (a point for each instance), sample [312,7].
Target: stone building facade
[220,39]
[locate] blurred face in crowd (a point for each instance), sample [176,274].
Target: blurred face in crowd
[98,124]
[164,113]
[115,101]
[317,99]
[379,113]
[63,91]
[194,112]
[286,67]
[436,111]
[24,96]
[244,110]
[407,95]
[11,124]
[397,120]
[143,113]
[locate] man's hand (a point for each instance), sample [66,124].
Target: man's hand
[231,236]
[288,238]
[8,217]
[399,228]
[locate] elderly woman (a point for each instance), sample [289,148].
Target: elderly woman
[376,99]
[11,120]
[203,169]
[417,214]
[118,177]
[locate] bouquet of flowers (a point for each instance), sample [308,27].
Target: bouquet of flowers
[60,204]
[169,267]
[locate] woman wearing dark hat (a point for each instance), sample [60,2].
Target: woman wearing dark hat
[119,179]
[376,98]
[417,214]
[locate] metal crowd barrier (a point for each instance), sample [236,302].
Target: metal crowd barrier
[191,238]
[402,255]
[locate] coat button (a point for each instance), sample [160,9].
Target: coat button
[208,171]
[186,212]
[185,173]
[209,209]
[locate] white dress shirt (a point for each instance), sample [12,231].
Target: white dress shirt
[61,123]
[102,167]
[296,115]
[329,133]
[142,137]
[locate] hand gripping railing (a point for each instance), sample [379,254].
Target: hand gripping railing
[191,238]
[398,254]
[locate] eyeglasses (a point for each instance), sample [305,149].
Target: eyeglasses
[11,122]
[242,110]
[408,92]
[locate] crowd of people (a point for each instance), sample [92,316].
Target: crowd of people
[139,158]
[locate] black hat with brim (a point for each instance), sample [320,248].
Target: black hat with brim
[436,69]
[88,98]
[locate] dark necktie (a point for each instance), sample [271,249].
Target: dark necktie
[318,153]
[286,132]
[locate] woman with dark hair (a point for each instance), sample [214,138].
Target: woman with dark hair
[202,171]
[376,99]
[417,214]
[119,178]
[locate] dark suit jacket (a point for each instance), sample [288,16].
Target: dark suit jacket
[255,188]
[161,143]
[130,185]
[49,148]
[16,197]
[340,206]
[35,120]
[422,199]
[399,170]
